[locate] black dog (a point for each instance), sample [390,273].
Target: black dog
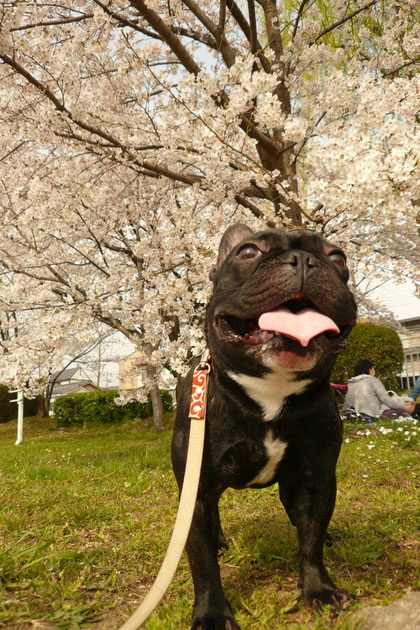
[279,314]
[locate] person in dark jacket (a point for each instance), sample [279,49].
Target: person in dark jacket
[369,398]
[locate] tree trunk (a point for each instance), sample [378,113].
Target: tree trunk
[48,394]
[178,390]
[41,407]
[158,421]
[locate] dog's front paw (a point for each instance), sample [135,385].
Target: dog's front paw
[210,621]
[328,596]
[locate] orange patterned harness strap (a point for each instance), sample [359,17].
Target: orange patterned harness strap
[199,388]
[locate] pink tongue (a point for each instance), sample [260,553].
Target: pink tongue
[301,326]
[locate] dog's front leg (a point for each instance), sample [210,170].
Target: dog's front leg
[313,505]
[211,608]
[309,501]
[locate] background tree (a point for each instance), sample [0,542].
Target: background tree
[379,344]
[133,132]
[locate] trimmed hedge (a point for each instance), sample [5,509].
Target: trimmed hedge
[99,408]
[9,410]
[379,344]
[6,409]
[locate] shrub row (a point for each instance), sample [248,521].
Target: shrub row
[100,408]
[379,344]
[9,410]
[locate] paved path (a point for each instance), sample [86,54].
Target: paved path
[404,614]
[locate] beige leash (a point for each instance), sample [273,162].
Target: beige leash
[187,500]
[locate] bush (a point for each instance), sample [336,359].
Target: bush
[167,400]
[5,404]
[30,408]
[379,344]
[100,408]
[9,410]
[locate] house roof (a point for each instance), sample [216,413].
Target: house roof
[407,320]
[137,356]
[69,388]
[66,375]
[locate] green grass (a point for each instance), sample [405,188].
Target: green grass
[86,516]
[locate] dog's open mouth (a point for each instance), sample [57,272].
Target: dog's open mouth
[297,319]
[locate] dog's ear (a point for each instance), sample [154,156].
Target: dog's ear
[233,235]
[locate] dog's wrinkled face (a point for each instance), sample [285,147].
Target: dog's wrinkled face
[280,300]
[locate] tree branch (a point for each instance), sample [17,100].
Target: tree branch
[270,146]
[240,19]
[227,52]
[343,21]
[90,231]
[154,168]
[222,21]
[76,249]
[178,30]
[167,35]
[241,200]
[126,22]
[16,148]
[53,22]
[110,320]
[404,65]
[187,61]
[253,26]
[272,26]
[299,15]
[31,79]
[23,271]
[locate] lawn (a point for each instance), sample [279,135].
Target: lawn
[86,516]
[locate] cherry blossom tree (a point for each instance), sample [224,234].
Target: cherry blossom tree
[133,132]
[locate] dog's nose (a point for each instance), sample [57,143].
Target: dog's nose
[311,261]
[299,259]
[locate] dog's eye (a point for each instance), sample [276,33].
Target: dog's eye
[338,258]
[248,251]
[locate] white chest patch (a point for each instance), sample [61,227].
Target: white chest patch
[275,450]
[271,390]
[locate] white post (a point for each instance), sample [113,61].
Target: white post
[19,401]
[20,417]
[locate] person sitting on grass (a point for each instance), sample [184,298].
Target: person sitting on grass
[368,396]
[414,395]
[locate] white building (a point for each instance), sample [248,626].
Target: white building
[405,306]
